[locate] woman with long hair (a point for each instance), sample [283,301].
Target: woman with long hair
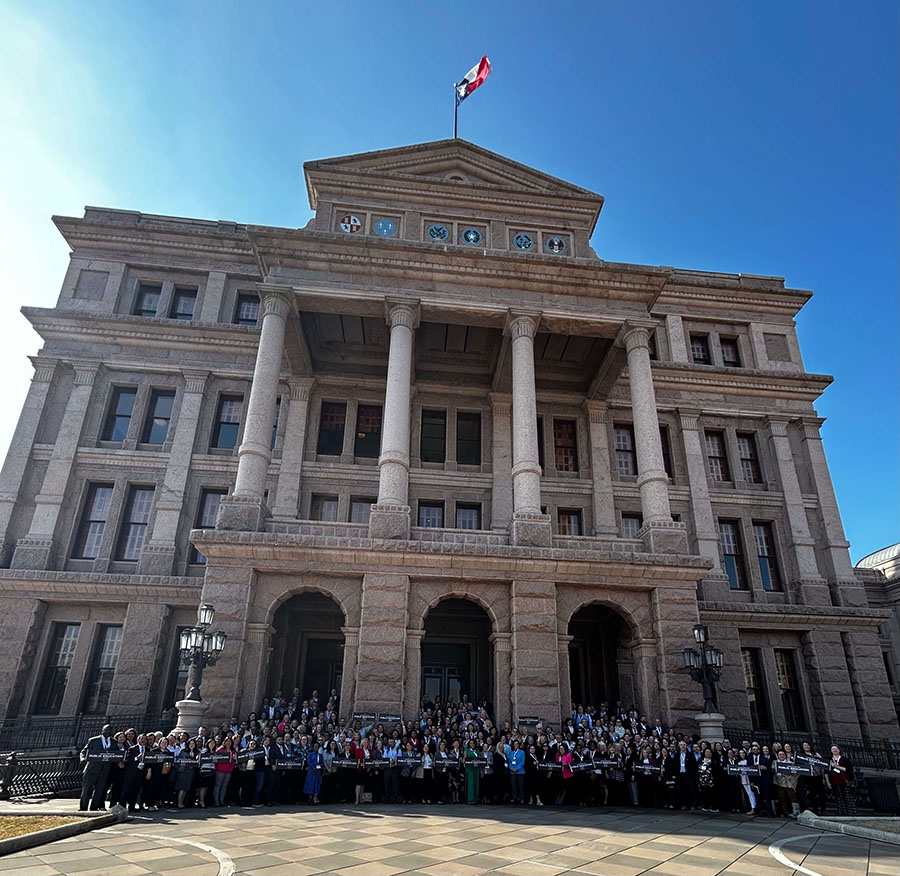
[185,769]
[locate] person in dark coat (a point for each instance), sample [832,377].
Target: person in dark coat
[96,771]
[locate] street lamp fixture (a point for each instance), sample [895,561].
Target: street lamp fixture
[201,648]
[705,665]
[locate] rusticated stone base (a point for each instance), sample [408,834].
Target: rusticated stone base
[389,521]
[531,530]
[811,591]
[32,553]
[157,559]
[190,716]
[712,726]
[664,538]
[242,514]
[715,587]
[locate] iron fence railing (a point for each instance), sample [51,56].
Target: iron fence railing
[43,733]
[24,775]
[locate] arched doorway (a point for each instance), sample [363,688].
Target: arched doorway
[600,663]
[457,652]
[307,647]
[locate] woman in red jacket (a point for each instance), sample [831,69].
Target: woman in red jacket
[839,776]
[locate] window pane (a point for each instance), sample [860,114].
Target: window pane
[147,300]
[468,438]
[468,516]
[666,452]
[746,443]
[569,522]
[732,559]
[564,445]
[159,415]
[431,514]
[730,355]
[755,693]
[207,511]
[716,458]
[331,428]
[134,525]
[792,703]
[246,311]
[183,303]
[60,656]
[324,508]
[368,431]
[434,436]
[631,524]
[93,521]
[361,510]
[103,669]
[118,418]
[700,349]
[626,461]
[765,551]
[228,422]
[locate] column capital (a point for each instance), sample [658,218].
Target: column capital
[563,641]
[260,634]
[402,311]
[415,634]
[811,426]
[501,641]
[597,411]
[777,426]
[44,368]
[195,381]
[85,372]
[299,388]
[521,323]
[690,419]
[636,333]
[351,635]
[501,403]
[276,300]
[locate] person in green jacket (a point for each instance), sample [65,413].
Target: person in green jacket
[473,774]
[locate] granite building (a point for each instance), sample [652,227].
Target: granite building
[428,444]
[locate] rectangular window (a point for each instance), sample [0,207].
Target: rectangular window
[468,438]
[746,443]
[331,428]
[569,521]
[731,356]
[118,416]
[433,446]
[732,555]
[60,656]
[564,444]
[540,436]
[626,461]
[468,516]
[183,303]
[93,522]
[324,508]
[178,673]
[246,309]
[654,350]
[159,415]
[361,510]
[134,524]
[103,669]
[368,432]
[666,449]
[717,458]
[700,349]
[147,300]
[275,423]
[207,511]
[791,701]
[756,695]
[431,514]
[765,551]
[228,422]
[631,525]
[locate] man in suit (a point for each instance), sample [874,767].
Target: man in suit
[96,772]
[685,777]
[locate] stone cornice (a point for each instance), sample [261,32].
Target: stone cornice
[678,377]
[40,584]
[791,616]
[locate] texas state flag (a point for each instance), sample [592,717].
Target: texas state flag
[473,79]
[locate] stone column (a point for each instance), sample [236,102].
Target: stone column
[37,549]
[677,343]
[501,461]
[831,692]
[809,587]
[159,554]
[244,508]
[22,623]
[381,665]
[659,532]
[848,590]
[601,471]
[390,516]
[535,650]
[255,663]
[529,526]
[413,679]
[502,677]
[287,495]
[16,461]
[868,679]
[565,674]
[142,661]
[348,672]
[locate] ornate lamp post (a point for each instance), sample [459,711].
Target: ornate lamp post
[705,667]
[199,648]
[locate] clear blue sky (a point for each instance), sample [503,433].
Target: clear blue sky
[749,137]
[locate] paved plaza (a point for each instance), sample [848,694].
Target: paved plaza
[454,841]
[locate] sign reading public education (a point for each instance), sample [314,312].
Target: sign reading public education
[364,717]
[107,756]
[389,718]
[742,769]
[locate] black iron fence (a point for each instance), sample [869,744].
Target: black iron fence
[42,733]
[878,754]
[24,775]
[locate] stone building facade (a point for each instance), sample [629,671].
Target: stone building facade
[430,443]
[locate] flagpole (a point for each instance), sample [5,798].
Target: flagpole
[455,109]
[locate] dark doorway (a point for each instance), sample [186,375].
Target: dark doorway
[308,647]
[594,656]
[456,652]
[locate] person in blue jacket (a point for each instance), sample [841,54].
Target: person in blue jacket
[315,766]
[516,772]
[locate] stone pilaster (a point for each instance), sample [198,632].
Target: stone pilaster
[255,664]
[21,625]
[502,677]
[868,679]
[674,613]
[501,461]
[380,672]
[348,671]
[212,297]
[413,678]
[37,549]
[809,586]
[390,516]
[535,650]
[16,461]
[139,668]
[675,333]
[831,692]
[244,509]
[529,526]
[565,676]
[601,471]
[287,495]
[159,554]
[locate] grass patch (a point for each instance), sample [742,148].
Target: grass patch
[19,825]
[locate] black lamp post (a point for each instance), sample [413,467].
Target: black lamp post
[704,665]
[201,648]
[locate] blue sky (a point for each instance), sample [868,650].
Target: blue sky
[748,137]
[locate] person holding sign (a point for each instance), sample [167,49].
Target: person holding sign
[185,769]
[473,775]
[840,774]
[224,768]
[116,778]
[786,786]
[363,756]
[95,755]
[206,772]
[811,789]
[315,764]
[706,779]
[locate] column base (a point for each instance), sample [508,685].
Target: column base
[531,530]
[712,726]
[389,521]
[849,593]
[242,513]
[811,590]
[157,559]
[32,553]
[715,587]
[664,538]
[190,716]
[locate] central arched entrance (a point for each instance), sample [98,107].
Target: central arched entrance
[457,652]
[600,664]
[307,647]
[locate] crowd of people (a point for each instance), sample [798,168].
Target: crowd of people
[295,750]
